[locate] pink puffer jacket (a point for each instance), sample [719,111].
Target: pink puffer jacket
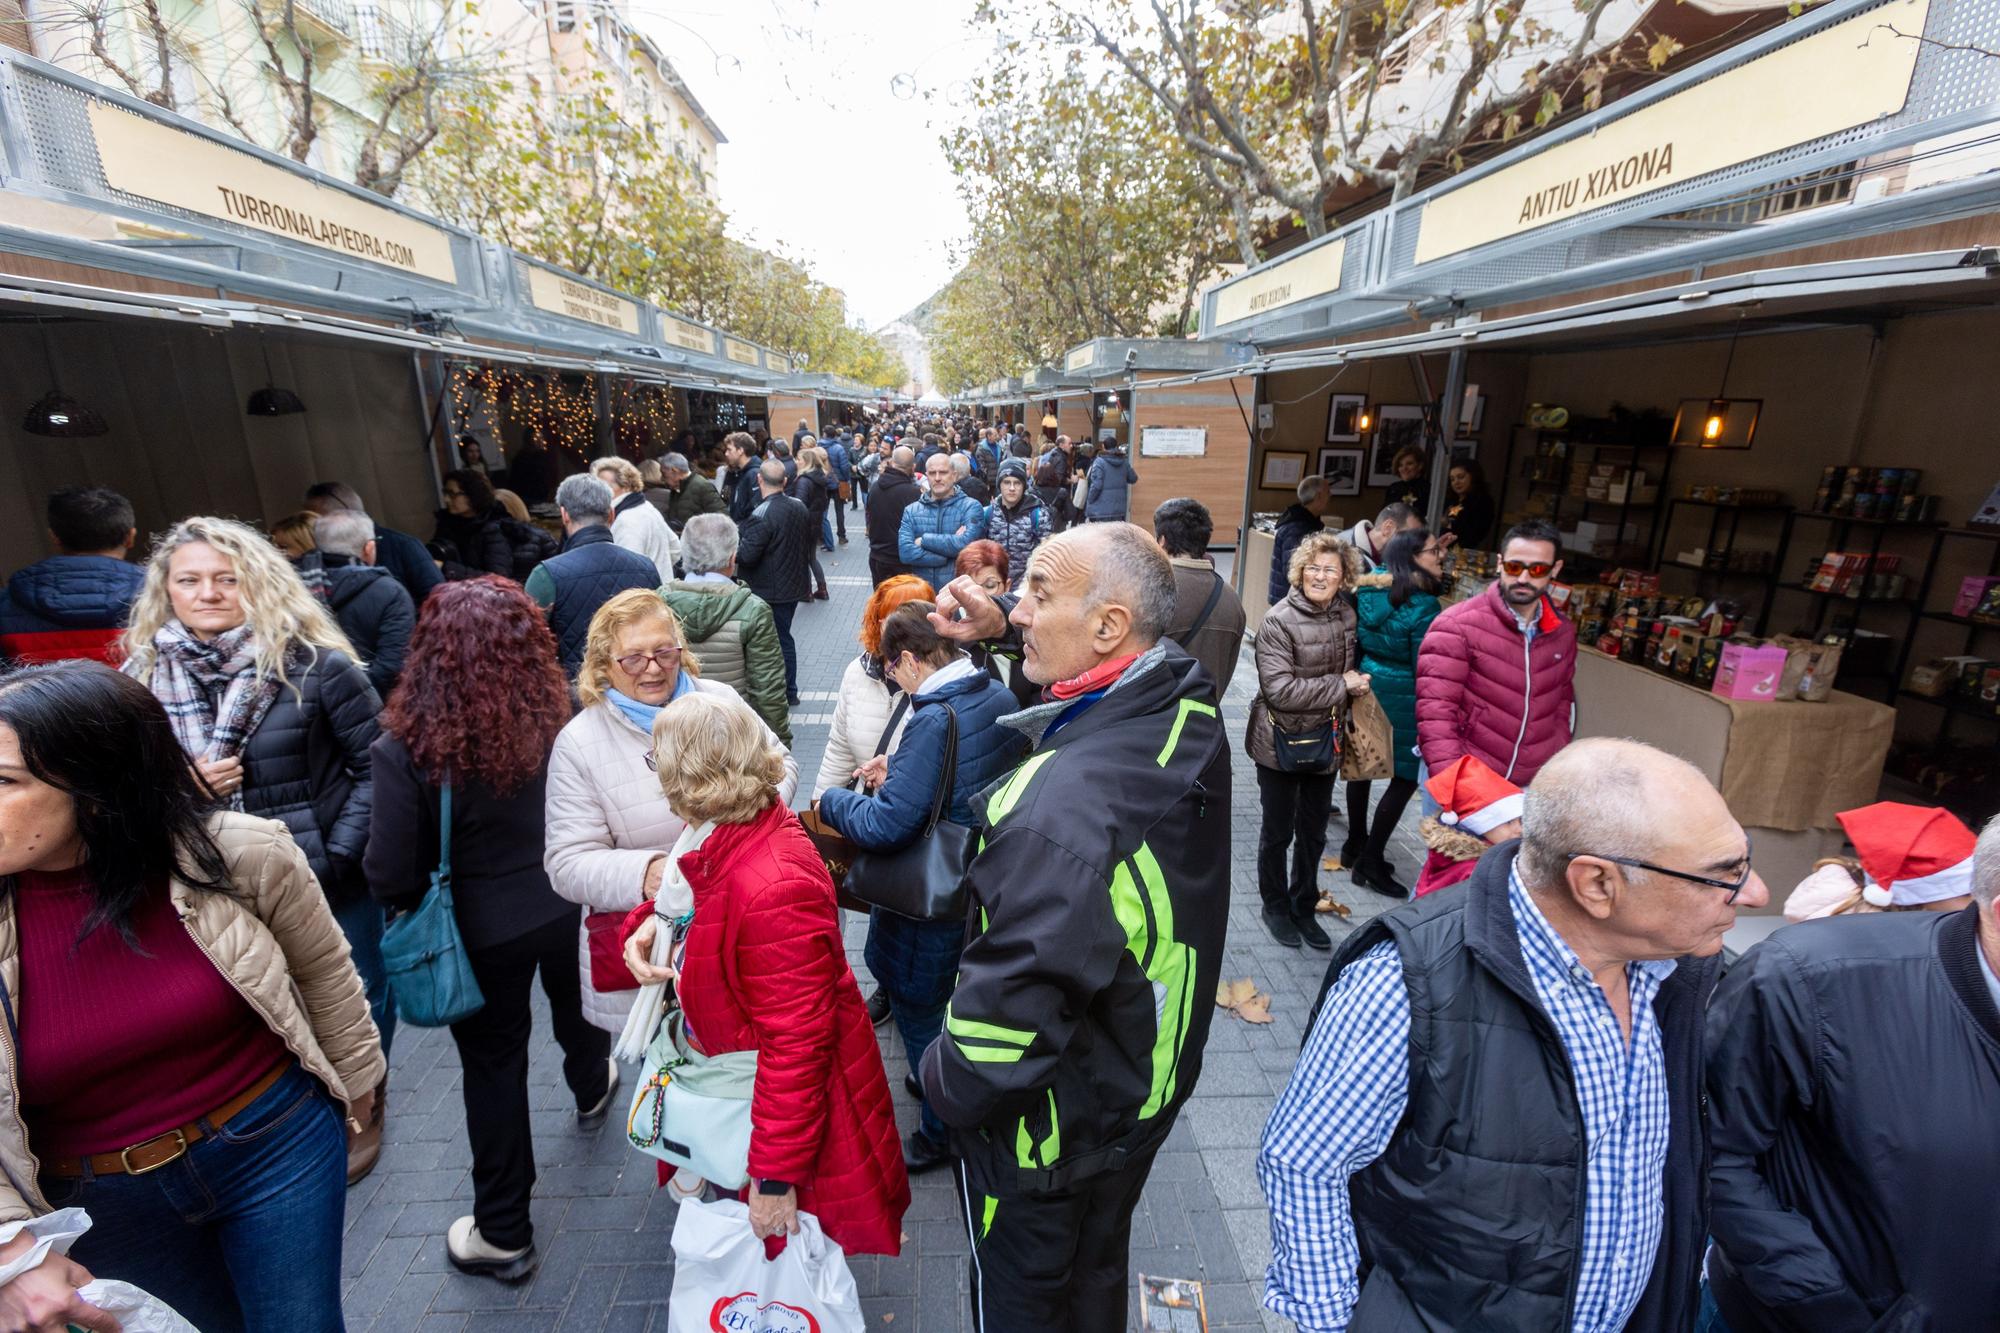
[1483,690]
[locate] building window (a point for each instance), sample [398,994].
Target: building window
[1816,189]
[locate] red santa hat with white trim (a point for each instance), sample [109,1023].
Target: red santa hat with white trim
[1913,854]
[1474,797]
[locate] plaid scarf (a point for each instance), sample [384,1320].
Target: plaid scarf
[211,691]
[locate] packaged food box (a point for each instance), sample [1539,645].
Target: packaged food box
[1749,671]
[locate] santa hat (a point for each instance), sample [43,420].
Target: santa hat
[1913,854]
[1474,797]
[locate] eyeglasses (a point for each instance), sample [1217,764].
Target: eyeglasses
[1516,568]
[1322,571]
[1731,887]
[632,664]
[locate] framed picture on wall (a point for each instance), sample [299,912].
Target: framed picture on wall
[1343,418]
[1282,471]
[1342,467]
[1464,450]
[1396,426]
[1472,414]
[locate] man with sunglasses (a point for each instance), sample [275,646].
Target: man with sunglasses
[1854,1079]
[1496,675]
[1499,1104]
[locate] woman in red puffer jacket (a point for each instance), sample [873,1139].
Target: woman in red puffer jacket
[764,970]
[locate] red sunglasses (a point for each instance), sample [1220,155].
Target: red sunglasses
[1515,568]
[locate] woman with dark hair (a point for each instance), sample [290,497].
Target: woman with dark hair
[186,1031]
[917,961]
[484,536]
[1468,506]
[479,705]
[1413,484]
[1393,611]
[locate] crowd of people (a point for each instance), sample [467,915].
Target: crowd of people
[1527,1098]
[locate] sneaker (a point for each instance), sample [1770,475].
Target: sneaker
[1309,931]
[1283,929]
[588,1120]
[470,1252]
[923,1153]
[878,1007]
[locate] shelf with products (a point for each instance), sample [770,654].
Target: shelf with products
[1725,520]
[1951,706]
[1607,454]
[1955,703]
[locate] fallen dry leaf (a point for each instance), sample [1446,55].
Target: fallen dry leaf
[1329,863]
[1230,994]
[1256,1009]
[1242,998]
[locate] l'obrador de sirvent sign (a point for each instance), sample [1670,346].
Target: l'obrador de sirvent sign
[1849,74]
[159,162]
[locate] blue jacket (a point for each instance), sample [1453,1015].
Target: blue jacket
[66,606]
[1111,477]
[589,571]
[836,456]
[893,814]
[938,522]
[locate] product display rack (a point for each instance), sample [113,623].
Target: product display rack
[1575,438]
[1950,706]
[1842,525]
[1710,577]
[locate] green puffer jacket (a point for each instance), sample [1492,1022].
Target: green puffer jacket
[735,639]
[1389,637]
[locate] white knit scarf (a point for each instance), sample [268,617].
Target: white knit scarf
[675,899]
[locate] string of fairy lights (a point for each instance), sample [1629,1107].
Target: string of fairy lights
[561,409]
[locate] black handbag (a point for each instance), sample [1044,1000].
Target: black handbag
[925,879]
[1314,750]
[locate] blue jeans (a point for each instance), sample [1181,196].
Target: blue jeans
[242,1233]
[826,529]
[917,964]
[360,920]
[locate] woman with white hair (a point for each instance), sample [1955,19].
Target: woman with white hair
[635,524]
[730,626]
[276,715]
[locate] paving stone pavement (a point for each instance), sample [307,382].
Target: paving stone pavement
[603,1229]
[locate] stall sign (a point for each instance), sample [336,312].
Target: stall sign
[565,296]
[1080,357]
[183,170]
[1173,441]
[1840,77]
[693,337]
[1315,272]
[737,350]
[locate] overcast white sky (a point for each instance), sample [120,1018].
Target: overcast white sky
[833,149]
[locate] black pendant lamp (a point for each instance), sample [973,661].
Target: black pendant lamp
[55,414]
[272,401]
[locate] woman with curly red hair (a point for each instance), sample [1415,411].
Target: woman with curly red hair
[479,704]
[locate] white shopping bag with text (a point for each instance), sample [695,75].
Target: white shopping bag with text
[723,1283]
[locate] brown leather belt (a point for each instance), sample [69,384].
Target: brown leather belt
[156,1152]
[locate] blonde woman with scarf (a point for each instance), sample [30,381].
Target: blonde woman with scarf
[271,704]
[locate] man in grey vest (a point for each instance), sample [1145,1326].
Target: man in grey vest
[1496,1123]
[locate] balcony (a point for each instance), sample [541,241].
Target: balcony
[318,21]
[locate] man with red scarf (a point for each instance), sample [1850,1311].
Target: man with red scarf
[1099,901]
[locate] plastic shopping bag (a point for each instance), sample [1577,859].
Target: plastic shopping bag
[723,1283]
[137,1311]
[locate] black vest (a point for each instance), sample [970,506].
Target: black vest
[591,570]
[1473,1217]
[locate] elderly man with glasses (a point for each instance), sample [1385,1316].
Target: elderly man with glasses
[1497,1121]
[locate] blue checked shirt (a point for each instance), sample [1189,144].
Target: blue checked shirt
[1349,1091]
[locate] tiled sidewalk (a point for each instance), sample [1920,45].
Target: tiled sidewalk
[603,1229]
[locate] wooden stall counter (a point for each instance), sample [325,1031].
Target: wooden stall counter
[1785,769]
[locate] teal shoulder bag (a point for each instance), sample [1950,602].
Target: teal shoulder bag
[429,974]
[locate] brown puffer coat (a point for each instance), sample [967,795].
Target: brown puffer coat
[1303,651]
[278,944]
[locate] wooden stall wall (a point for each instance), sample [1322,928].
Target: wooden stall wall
[1216,477]
[1073,418]
[180,443]
[786,411]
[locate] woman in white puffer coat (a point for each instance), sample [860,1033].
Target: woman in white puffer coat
[867,699]
[609,827]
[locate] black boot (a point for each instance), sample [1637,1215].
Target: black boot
[1377,874]
[1307,924]
[1278,921]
